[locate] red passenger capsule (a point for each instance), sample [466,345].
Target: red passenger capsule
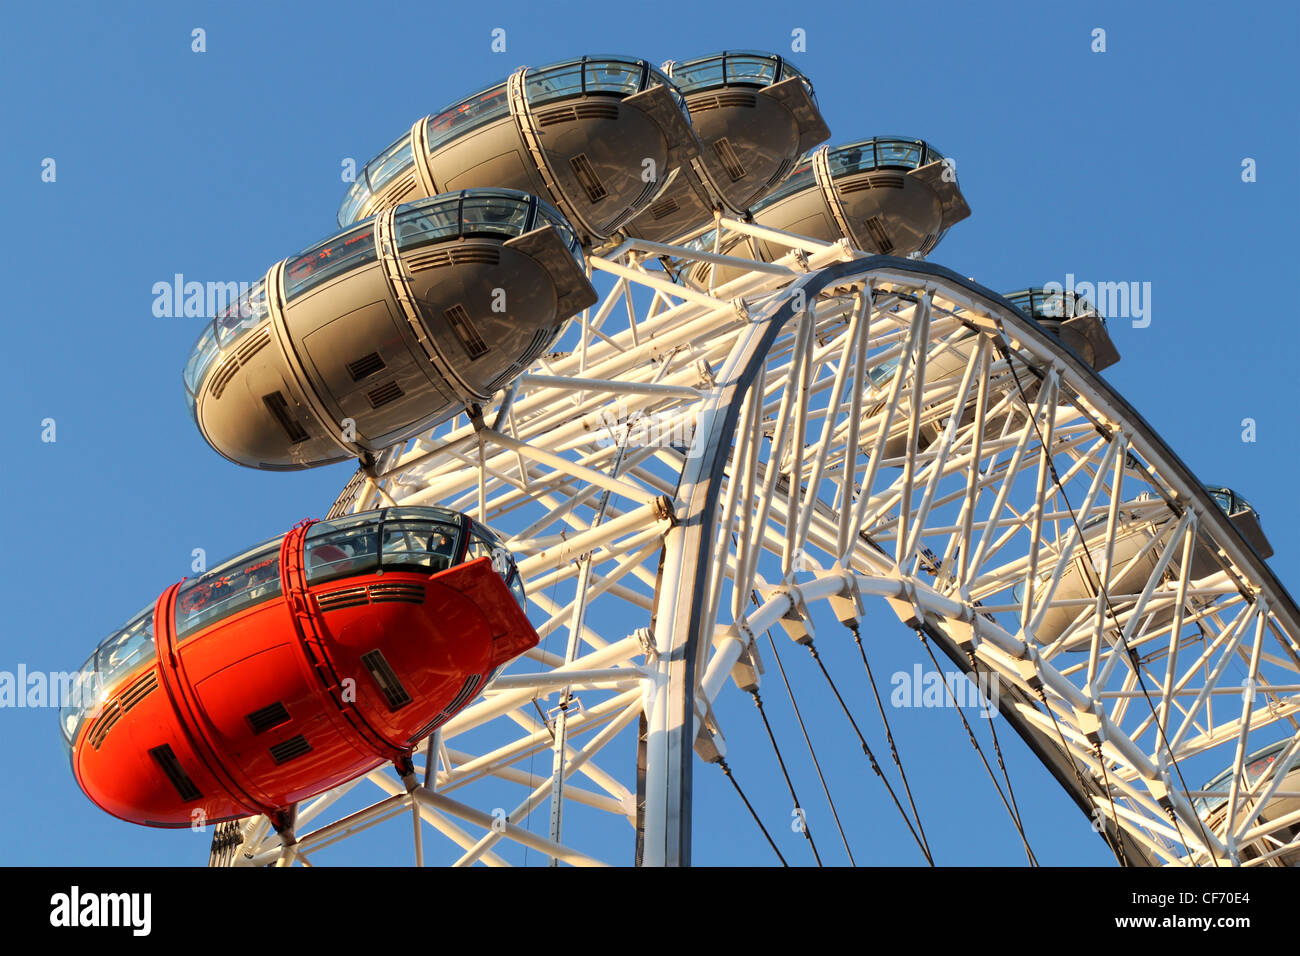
[300,664]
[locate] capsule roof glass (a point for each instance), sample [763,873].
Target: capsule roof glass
[1045,304]
[880,152]
[733,68]
[469,213]
[613,75]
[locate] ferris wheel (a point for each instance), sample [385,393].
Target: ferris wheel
[664,384]
[706,464]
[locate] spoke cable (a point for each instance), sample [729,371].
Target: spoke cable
[804,828]
[1015,818]
[1132,655]
[997,746]
[750,807]
[812,753]
[866,749]
[889,736]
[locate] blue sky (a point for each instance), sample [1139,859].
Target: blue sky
[1116,166]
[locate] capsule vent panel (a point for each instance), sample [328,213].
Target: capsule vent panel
[139,691]
[404,592]
[876,227]
[290,749]
[732,99]
[730,161]
[782,171]
[879,181]
[223,375]
[99,733]
[463,326]
[337,600]
[167,762]
[664,207]
[577,111]
[587,177]
[505,377]
[238,359]
[253,344]
[366,365]
[387,680]
[279,409]
[385,394]
[272,715]
[441,258]
[113,712]
[465,695]
[541,338]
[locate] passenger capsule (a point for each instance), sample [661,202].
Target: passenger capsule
[1068,317]
[1139,523]
[598,137]
[387,329]
[755,115]
[1072,319]
[886,196]
[305,661]
[1213,807]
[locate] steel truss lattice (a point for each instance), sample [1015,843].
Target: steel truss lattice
[702,464]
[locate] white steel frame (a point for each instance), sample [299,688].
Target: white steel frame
[771,501]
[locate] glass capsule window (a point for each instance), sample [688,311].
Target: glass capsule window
[553,83]
[126,650]
[1229,501]
[883,373]
[245,314]
[469,114]
[428,221]
[616,75]
[329,259]
[1223,498]
[504,213]
[117,657]
[414,545]
[341,548]
[205,351]
[1044,304]
[612,76]
[881,152]
[706,73]
[800,178]
[495,214]
[389,164]
[734,68]
[485,543]
[517,589]
[424,540]
[548,215]
[243,581]
[759,70]
[354,202]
